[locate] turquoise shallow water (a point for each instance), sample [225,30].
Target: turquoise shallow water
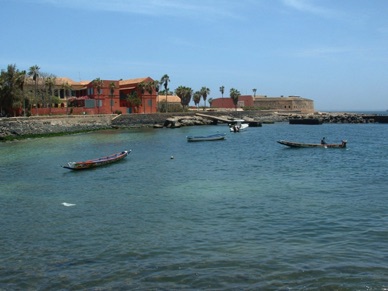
[241,214]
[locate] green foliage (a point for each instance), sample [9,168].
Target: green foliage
[134,99]
[164,81]
[197,98]
[204,92]
[235,94]
[185,94]
[11,91]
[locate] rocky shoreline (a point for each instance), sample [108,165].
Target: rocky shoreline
[23,127]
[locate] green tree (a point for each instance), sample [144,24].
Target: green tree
[235,94]
[50,84]
[210,102]
[156,86]
[11,91]
[34,73]
[149,88]
[165,80]
[142,87]
[22,79]
[222,90]
[204,92]
[197,98]
[66,89]
[254,92]
[97,85]
[134,100]
[184,93]
[112,87]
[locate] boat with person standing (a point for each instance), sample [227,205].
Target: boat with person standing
[312,145]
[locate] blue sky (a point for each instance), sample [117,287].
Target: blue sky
[332,51]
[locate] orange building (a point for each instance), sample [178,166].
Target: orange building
[112,97]
[142,88]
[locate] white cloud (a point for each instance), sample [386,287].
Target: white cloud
[308,6]
[322,51]
[177,8]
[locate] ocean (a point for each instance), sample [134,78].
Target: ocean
[245,213]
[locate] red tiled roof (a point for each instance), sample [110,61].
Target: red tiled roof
[133,81]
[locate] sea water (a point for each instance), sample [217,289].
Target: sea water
[245,213]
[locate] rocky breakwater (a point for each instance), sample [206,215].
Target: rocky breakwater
[324,117]
[159,120]
[210,118]
[188,120]
[20,127]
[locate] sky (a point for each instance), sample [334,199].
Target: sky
[334,52]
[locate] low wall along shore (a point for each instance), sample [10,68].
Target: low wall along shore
[44,125]
[21,127]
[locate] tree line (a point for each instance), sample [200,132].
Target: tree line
[16,100]
[186,93]
[20,89]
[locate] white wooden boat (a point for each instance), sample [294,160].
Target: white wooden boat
[212,137]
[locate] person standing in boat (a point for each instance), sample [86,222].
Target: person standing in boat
[323,140]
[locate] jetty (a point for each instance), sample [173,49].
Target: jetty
[215,118]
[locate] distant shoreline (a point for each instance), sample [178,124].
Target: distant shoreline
[44,126]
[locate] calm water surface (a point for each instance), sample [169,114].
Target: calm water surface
[241,214]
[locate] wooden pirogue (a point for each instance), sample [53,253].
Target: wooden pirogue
[97,162]
[313,145]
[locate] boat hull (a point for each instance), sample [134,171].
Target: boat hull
[212,137]
[238,127]
[312,145]
[96,162]
[308,121]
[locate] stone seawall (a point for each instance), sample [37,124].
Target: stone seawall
[34,126]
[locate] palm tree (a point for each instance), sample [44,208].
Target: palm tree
[197,98]
[210,102]
[222,90]
[165,80]
[34,73]
[204,92]
[142,87]
[185,94]
[21,80]
[97,85]
[149,88]
[235,94]
[254,92]
[12,99]
[155,86]
[50,83]
[112,87]
[134,100]
[66,88]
